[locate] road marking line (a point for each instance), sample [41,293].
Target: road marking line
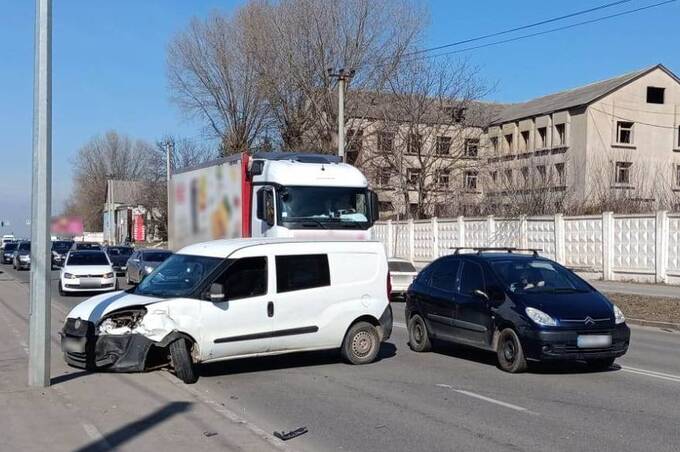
[651,373]
[488,399]
[94,433]
[399,324]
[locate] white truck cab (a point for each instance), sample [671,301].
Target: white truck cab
[229,299]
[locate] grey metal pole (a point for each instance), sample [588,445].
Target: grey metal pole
[169,151]
[341,117]
[41,201]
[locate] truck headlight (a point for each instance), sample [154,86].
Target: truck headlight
[619,318]
[539,317]
[121,322]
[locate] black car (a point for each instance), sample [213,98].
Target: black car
[8,252]
[86,246]
[59,250]
[523,307]
[119,255]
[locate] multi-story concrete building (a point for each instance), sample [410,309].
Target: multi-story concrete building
[616,137]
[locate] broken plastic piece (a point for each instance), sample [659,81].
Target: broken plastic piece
[292,434]
[209,434]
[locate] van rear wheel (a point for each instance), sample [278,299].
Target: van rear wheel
[361,344]
[180,358]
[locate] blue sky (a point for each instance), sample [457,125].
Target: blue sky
[109,68]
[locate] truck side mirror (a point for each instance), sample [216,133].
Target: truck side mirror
[265,206]
[217,292]
[374,205]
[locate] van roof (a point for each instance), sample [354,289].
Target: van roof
[226,247]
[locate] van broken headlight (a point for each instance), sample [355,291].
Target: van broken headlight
[121,322]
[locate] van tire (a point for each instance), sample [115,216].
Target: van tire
[361,344]
[510,353]
[418,336]
[180,359]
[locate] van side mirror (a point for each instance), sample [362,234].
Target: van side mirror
[217,292]
[374,205]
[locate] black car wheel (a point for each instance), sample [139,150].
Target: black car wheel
[510,353]
[418,336]
[600,364]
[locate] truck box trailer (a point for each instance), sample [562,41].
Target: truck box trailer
[273,194]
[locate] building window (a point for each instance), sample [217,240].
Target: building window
[385,141]
[442,178]
[413,175]
[524,135]
[561,176]
[443,145]
[494,176]
[525,174]
[677,175]
[508,142]
[471,147]
[354,140]
[560,135]
[384,176]
[508,177]
[456,113]
[678,137]
[541,171]
[414,143]
[470,180]
[542,138]
[622,172]
[624,132]
[494,143]
[655,95]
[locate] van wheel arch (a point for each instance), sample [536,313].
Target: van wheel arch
[175,335]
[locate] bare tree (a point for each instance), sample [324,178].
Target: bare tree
[111,156]
[425,135]
[212,76]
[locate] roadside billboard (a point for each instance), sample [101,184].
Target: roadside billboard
[67,226]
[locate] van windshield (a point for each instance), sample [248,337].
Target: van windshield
[178,276]
[324,207]
[537,275]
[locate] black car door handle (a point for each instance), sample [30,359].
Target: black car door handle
[270,309]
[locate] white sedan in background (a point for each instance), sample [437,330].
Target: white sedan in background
[87,271]
[402,274]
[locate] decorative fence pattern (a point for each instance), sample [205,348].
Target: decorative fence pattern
[614,247]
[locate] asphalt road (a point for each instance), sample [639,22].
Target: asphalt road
[453,398]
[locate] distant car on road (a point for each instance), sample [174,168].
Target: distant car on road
[402,274]
[522,307]
[87,271]
[8,252]
[142,262]
[22,256]
[83,246]
[59,250]
[119,255]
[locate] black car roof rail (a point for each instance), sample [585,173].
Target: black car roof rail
[507,249]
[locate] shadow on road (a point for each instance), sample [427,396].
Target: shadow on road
[67,377]
[286,361]
[125,433]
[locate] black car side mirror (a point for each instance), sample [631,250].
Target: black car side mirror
[217,293]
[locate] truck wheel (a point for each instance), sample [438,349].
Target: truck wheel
[418,337]
[600,364]
[180,359]
[510,354]
[361,344]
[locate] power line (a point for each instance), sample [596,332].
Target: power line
[614,115]
[531,35]
[523,27]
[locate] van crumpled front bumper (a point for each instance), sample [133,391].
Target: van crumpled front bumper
[119,353]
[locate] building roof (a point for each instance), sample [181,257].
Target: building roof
[576,97]
[126,192]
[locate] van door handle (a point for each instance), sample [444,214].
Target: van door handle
[270,309]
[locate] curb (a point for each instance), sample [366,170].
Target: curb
[654,323]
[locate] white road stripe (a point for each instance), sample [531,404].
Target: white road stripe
[651,373]
[488,399]
[399,324]
[94,433]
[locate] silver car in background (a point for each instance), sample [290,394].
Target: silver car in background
[402,274]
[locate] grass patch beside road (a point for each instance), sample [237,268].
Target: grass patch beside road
[658,309]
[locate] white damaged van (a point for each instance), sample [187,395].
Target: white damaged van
[230,299]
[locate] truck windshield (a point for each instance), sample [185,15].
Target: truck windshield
[178,276]
[324,206]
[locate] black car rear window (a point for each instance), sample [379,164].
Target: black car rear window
[399,266]
[61,246]
[25,246]
[87,259]
[10,247]
[156,256]
[119,251]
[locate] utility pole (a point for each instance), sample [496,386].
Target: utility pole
[343,77]
[41,201]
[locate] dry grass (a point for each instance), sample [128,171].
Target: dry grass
[648,308]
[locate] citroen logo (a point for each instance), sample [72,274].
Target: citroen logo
[589,321]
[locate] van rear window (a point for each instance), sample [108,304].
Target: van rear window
[300,272]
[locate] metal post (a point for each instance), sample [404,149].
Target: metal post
[341,118]
[169,152]
[41,200]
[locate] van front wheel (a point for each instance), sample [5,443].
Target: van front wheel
[181,361]
[361,344]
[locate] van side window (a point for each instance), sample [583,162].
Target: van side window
[444,275]
[302,272]
[472,278]
[245,278]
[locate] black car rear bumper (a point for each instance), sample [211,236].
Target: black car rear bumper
[546,345]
